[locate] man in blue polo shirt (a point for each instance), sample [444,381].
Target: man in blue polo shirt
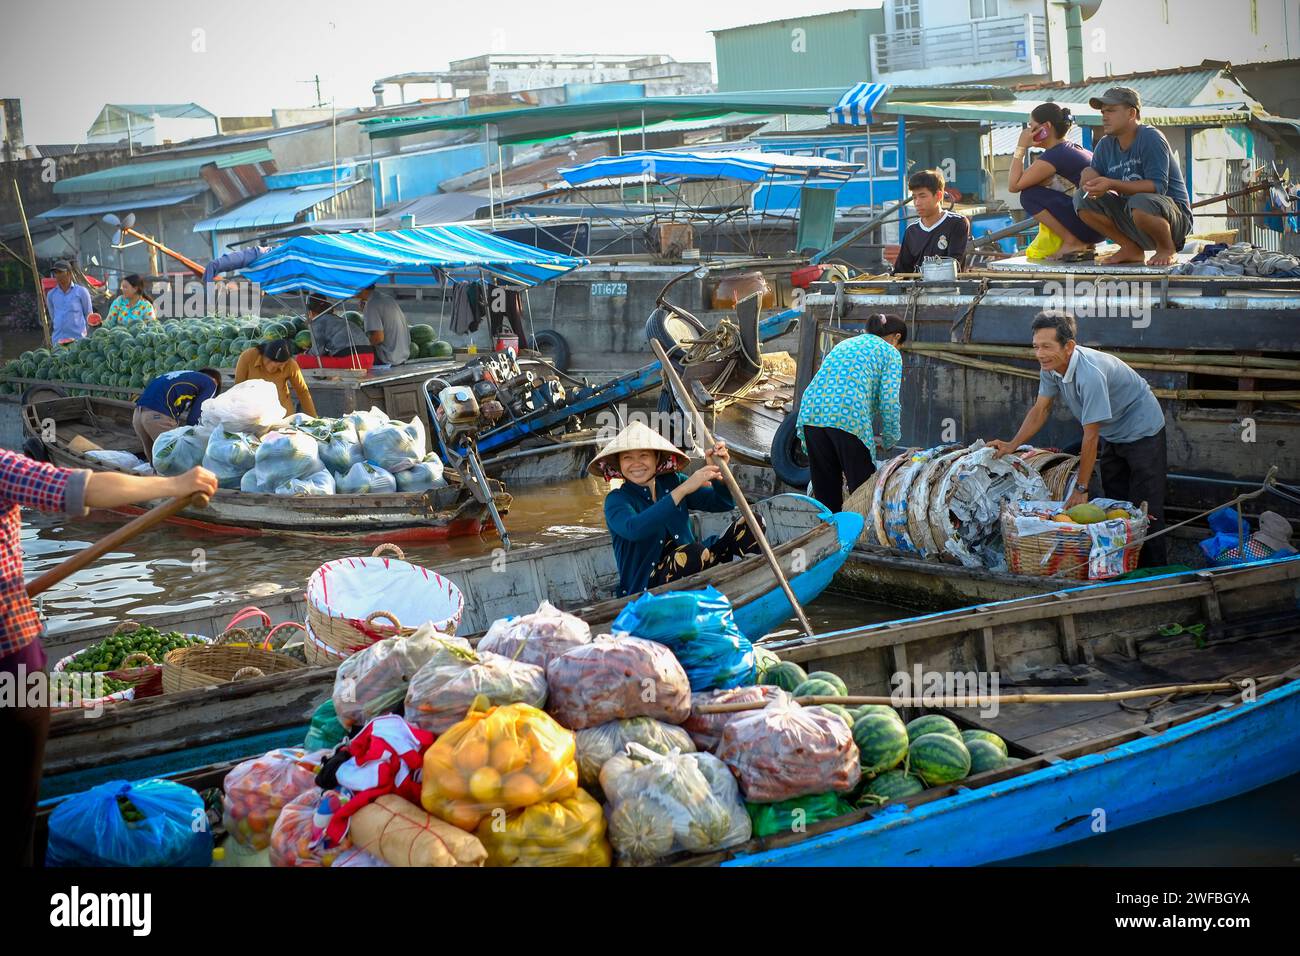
[170,401]
[1119,413]
[69,305]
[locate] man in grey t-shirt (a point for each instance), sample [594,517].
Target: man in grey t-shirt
[1119,413]
[386,326]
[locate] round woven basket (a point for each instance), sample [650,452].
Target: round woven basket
[953,548]
[1057,476]
[877,512]
[918,501]
[188,668]
[1063,551]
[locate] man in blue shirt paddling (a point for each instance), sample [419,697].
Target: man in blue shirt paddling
[1119,413]
[1133,192]
[69,305]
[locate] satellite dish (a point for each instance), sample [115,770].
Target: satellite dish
[1089,8]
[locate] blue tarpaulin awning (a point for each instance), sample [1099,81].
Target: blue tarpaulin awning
[854,107]
[666,166]
[341,265]
[272,208]
[123,202]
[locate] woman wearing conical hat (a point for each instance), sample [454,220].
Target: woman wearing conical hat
[649,514]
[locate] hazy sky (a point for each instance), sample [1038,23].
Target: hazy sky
[66,59]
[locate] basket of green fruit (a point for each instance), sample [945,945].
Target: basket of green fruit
[125,665]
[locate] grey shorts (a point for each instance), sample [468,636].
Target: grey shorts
[1119,209]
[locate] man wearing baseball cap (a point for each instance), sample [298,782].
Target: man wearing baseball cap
[69,305]
[1133,193]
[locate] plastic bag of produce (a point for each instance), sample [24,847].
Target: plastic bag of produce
[284,455]
[401,834]
[388,446]
[155,823]
[660,805]
[700,630]
[557,833]
[614,678]
[341,448]
[120,459]
[791,816]
[365,422]
[785,751]
[320,483]
[536,638]
[326,731]
[503,758]
[375,680]
[363,478]
[252,406]
[443,690]
[356,857]
[596,745]
[706,729]
[229,456]
[177,451]
[249,483]
[422,475]
[318,428]
[297,840]
[258,789]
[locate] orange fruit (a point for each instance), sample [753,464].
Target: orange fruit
[460,813]
[485,785]
[1063,518]
[472,754]
[541,765]
[451,783]
[508,756]
[520,790]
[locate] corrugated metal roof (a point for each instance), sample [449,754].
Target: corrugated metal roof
[149,110]
[271,208]
[1015,112]
[157,172]
[127,201]
[1171,89]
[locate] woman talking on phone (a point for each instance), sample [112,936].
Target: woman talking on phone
[1047,186]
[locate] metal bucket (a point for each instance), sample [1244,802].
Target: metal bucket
[939,269]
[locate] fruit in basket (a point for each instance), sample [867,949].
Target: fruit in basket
[1086,514]
[1063,518]
[108,654]
[1117,513]
[939,758]
[932,724]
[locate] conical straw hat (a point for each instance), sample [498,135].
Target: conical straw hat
[634,437]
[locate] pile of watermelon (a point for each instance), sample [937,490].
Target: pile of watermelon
[424,343]
[128,356]
[898,759]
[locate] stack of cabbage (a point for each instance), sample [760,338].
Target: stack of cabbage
[358,454]
[128,356]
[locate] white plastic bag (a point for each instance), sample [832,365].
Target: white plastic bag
[341,449]
[283,455]
[536,638]
[389,446]
[363,478]
[249,483]
[120,459]
[318,483]
[229,456]
[366,421]
[596,745]
[177,451]
[317,428]
[374,680]
[252,406]
[421,476]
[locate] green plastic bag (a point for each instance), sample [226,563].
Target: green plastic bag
[790,816]
[325,731]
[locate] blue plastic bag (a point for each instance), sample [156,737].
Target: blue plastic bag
[700,629]
[89,828]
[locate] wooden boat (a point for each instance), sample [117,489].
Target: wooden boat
[1134,764]
[580,576]
[66,428]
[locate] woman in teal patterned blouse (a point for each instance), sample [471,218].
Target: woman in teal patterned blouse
[132,305]
[858,380]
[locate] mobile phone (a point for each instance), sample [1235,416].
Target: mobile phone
[1041,133]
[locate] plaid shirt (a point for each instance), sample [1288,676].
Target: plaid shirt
[45,488]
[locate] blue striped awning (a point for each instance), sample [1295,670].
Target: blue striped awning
[855,106]
[341,265]
[668,166]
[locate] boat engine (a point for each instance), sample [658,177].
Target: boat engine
[458,418]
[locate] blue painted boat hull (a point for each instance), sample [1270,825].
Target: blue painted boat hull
[1203,761]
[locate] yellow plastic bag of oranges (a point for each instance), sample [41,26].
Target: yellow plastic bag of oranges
[557,833]
[504,758]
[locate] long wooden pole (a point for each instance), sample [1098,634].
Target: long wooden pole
[155,244]
[739,496]
[109,542]
[982,700]
[36,275]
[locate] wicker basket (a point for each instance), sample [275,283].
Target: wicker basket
[1063,551]
[188,668]
[288,637]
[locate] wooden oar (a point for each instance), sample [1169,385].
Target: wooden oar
[983,700]
[706,437]
[123,534]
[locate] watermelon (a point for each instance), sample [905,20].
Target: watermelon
[860,712]
[882,742]
[786,675]
[422,334]
[939,758]
[891,785]
[442,349]
[355,318]
[302,341]
[932,724]
[817,688]
[839,711]
[763,661]
[841,688]
[968,735]
[985,756]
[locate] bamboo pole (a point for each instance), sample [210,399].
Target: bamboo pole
[36,275]
[702,429]
[982,700]
[1258,366]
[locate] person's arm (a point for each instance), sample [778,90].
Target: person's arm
[1034,421]
[87,306]
[626,522]
[958,237]
[300,389]
[1039,172]
[906,262]
[1129,187]
[889,385]
[376,337]
[40,486]
[1087,458]
[109,489]
[244,367]
[373,322]
[149,314]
